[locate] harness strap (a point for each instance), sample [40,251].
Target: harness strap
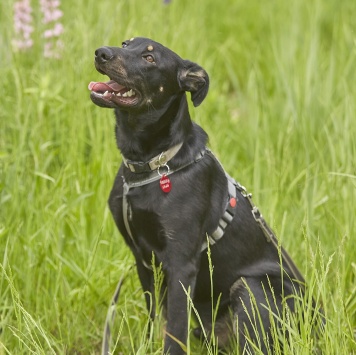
[227,216]
[270,235]
[126,211]
[229,213]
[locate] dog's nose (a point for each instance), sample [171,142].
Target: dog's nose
[103,54]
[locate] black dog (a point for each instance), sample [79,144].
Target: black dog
[171,197]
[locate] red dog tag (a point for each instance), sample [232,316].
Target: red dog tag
[165,183]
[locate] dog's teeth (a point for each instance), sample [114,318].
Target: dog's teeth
[118,94]
[106,93]
[128,93]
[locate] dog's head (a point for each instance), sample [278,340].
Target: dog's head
[143,74]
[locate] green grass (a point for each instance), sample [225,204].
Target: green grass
[281,115]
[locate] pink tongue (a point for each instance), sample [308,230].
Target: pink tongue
[102,87]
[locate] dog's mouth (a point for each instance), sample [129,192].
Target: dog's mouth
[112,94]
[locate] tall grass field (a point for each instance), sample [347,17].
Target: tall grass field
[281,117]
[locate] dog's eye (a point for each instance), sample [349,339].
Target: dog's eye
[149,58]
[124,44]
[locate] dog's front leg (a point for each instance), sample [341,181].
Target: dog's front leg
[181,277]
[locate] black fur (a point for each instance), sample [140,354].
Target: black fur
[174,225]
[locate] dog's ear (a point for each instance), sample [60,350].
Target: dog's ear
[193,78]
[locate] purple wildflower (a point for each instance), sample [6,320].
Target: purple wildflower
[51,14]
[56,31]
[23,25]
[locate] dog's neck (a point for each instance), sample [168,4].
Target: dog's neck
[141,136]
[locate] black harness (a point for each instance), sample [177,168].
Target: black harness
[224,221]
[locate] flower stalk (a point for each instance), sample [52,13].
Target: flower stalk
[23,25]
[53,28]
[51,15]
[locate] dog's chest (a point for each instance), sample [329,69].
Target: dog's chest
[144,220]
